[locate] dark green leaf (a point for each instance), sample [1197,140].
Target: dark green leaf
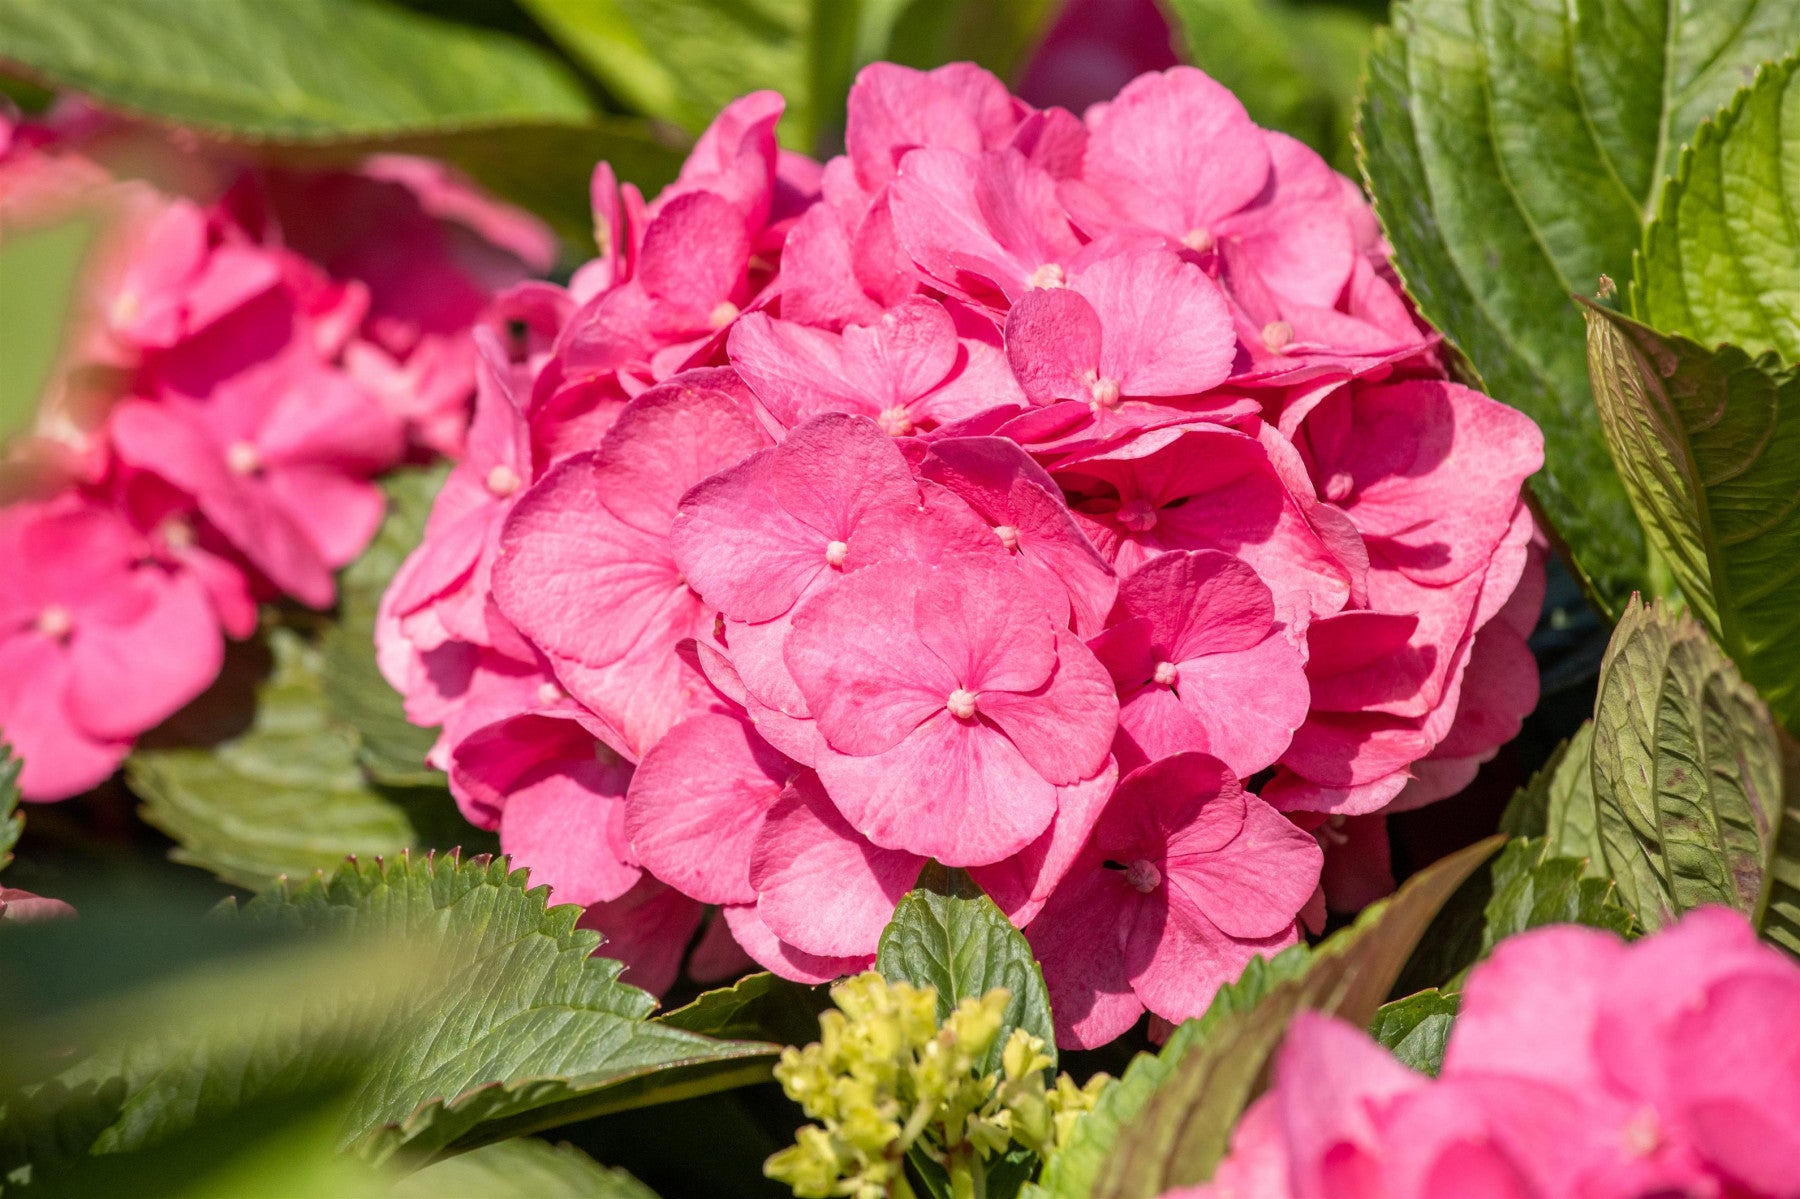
[1514,149]
[526,1168]
[1167,1125]
[390,748]
[998,34]
[1687,770]
[286,797]
[1708,444]
[1295,66]
[530,1031]
[1781,914]
[760,1007]
[948,935]
[1416,1029]
[1558,803]
[1525,887]
[1721,259]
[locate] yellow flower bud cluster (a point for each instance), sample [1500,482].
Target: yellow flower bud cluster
[885,1078]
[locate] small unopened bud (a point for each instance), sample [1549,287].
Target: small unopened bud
[503,480]
[1138,515]
[835,553]
[1008,535]
[1199,239]
[1143,876]
[961,704]
[1105,392]
[1277,336]
[55,622]
[723,315]
[243,458]
[1166,674]
[895,422]
[1049,275]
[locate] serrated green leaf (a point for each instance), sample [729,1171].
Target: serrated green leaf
[11,822]
[531,1031]
[287,796]
[390,748]
[1721,260]
[1525,886]
[1687,770]
[1708,444]
[526,1168]
[1294,66]
[758,1007]
[948,935]
[1416,1029]
[1174,1120]
[1515,149]
[1781,913]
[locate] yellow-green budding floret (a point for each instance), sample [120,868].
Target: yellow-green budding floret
[885,1079]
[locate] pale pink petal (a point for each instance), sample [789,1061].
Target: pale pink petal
[1022,883]
[126,678]
[1065,727]
[894,109]
[1166,328]
[742,551]
[1053,339]
[774,954]
[1079,938]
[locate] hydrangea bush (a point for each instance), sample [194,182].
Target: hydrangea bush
[663,559]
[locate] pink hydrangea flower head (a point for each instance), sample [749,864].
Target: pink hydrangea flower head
[1192,633]
[557,795]
[593,534]
[98,644]
[952,705]
[1184,879]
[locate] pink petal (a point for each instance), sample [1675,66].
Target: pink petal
[774,954]
[819,886]
[1166,328]
[740,549]
[894,109]
[1079,938]
[648,928]
[954,790]
[126,678]
[697,803]
[1021,884]
[1053,339]
[1065,727]
[60,759]
[980,618]
[1254,886]
[1177,965]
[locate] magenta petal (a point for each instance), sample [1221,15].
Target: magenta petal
[740,549]
[648,928]
[797,372]
[819,886]
[1021,884]
[697,803]
[1247,738]
[1177,965]
[954,790]
[773,954]
[1079,938]
[564,820]
[835,471]
[1053,344]
[127,678]
[1256,884]
[1167,329]
[980,618]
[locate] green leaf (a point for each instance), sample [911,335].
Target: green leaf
[295,70]
[390,748]
[758,1007]
[1708,444]
[285,797]
[1687,770]
[1515,149]
[11,822]
[997,34]
[948,935]
[526,1168]
[1294,66]
[40,271]
[1166,1124]
[1417,1028]
[324,82]
[596,33]
[1526,886]
[1781,914]
[1558,803]
[1721,259]
[530,1031]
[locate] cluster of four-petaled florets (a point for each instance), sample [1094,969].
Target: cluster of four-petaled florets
[242,361]
[1005,492]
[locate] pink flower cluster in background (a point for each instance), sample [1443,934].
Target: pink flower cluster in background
[1578,1066]
[1070,499]
[239,369]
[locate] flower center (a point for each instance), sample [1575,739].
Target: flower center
[1339,486]
[549,693]
[1199,239]
[835,553]
[723,315]
[1138,515]
[243,458]
[55,622]
[1277,336]
[1105,392]
[1048,276]
[1008,535]
[1166,674]
[1332,832]
[503,481]
[176,533]
[1642,1133]
[1143,876]
[961,704]
[895,422]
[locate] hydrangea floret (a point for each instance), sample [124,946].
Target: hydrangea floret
[886,1079]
